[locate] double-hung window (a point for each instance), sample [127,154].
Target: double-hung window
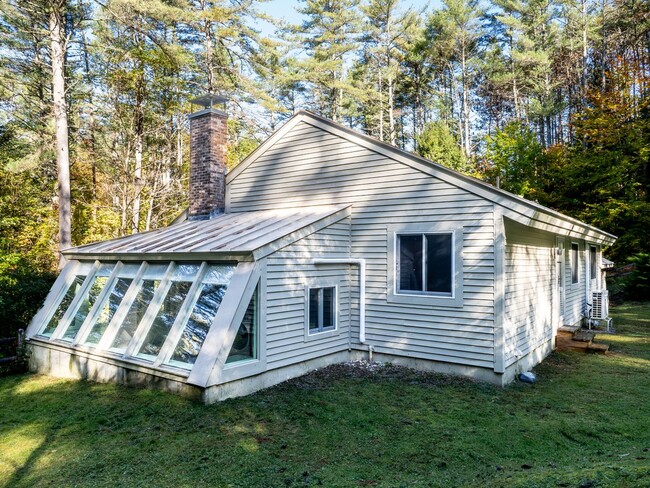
[425,264]
[321,309]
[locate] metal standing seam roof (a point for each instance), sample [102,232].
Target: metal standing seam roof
[227,233]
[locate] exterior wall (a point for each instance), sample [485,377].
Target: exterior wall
[530,290]
[289,272]
[310,166]
[575,293]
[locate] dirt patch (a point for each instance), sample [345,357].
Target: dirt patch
[321,378]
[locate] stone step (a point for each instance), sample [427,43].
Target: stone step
[568,330]
[584,336]
[598,348]
[582,341]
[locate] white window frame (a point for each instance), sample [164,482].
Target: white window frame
[574,262]
[437,299]
[322,331]
[594,262]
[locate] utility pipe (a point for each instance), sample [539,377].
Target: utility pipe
[362,289]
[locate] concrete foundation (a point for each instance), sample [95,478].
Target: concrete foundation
[61,362]
[57,360]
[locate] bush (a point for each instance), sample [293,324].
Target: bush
[23,289]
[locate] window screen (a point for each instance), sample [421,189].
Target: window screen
[425,263]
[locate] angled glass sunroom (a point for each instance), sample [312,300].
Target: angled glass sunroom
[181,303]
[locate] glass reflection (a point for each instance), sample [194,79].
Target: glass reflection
[199,323]
[135,314]
[244,347]
[90,297]
[63,305]
[165,318]
[108,310]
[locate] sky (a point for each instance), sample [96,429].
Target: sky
[286,9]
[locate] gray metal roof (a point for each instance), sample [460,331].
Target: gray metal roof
[227,234]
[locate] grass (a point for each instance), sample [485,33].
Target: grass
[586,423]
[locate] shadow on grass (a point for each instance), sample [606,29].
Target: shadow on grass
[342,426]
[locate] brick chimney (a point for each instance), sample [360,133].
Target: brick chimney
[208,138]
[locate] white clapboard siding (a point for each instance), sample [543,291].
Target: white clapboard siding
[289,270]
[575,296]
[529,274]
[310,166]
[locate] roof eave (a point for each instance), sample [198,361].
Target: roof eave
[75,254]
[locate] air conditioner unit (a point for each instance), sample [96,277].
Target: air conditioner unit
[600,304]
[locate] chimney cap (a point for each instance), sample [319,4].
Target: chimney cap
[209,100]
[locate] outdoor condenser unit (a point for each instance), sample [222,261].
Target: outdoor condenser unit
[600,304]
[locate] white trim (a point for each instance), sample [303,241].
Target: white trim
[56,293]
[99,303]
[147,320]
[499,292]
[215,339]
[322,332]
[176,330]
[118,317]
[574,266]
[74,304]
[455,300]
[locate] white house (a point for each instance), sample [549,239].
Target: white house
[324,245]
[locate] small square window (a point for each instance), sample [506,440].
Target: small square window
[425,264]
[575,262]
[321,311]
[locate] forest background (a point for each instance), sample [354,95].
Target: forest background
[548,99]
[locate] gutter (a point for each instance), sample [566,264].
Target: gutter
[362,289]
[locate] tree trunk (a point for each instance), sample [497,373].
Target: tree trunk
[467,147]
[58,47]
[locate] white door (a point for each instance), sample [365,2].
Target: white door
[560,276]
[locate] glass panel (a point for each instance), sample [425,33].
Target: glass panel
[593,256]
[328,308]
[199,323]
[134,315]
[410,263]
[244,347]
[313,308]
[165,318]
[63,305]
[219,274]
[574,263]
[185,272]
[90,297]
[439,264]
[108,310]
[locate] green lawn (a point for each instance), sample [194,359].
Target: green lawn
[585,423]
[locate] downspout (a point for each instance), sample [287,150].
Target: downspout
[362,289]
